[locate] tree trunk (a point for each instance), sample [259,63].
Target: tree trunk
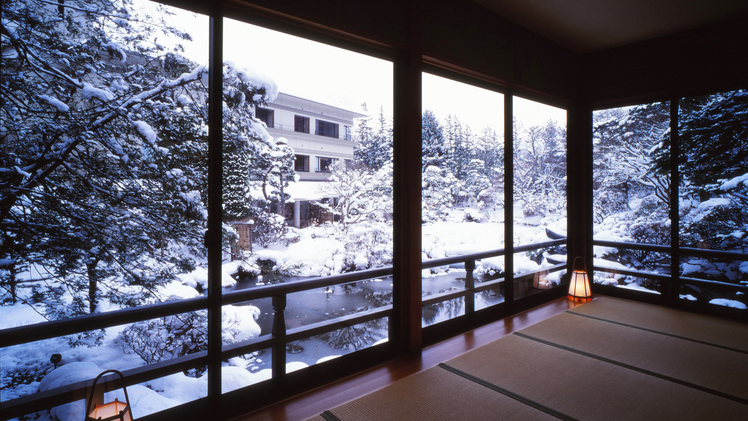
[92,286]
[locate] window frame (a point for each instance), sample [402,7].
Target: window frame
[327,128]
[266,115]
[304,167]
[301,124]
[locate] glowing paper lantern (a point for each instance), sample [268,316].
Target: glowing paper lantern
[579,287]
[109,411]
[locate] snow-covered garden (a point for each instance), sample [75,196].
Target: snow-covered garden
[104,198]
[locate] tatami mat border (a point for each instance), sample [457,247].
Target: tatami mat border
[659,332]
[637,369]
[507,393]
[329,416]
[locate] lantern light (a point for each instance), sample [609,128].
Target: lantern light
[579,287]
[110,411]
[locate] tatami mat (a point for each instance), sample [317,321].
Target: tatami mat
[589,389]
[436,394]
[697,364]
[609,359]
[679,323]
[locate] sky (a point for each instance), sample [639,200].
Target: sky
[346,79]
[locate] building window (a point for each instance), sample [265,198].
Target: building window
[325,164]
[301,163]
[301,124]
[348,133]
[325,128]
[266,116]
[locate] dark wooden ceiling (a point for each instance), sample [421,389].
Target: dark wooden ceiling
[587,26]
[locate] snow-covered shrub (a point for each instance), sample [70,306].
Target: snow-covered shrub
[168,337]
[367,245]
[269,229]
[181,334]
[437,200]
[717,224]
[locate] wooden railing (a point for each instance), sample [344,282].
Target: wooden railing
[276,341]
[669,278]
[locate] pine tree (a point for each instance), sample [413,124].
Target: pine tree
[432,141]
[88,188]
[103,179]
[375,148]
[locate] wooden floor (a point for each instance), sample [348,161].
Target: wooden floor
[316,401]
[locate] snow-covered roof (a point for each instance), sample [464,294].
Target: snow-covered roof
[307,190]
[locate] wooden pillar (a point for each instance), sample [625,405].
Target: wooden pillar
[215,211]
[579,186]
[405,328]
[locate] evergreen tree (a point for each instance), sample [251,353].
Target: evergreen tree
[432,141]
[458,140]
[375,148]
[489,148]
[103,179]
[713,144]
[88,189]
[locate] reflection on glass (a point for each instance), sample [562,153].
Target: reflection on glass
[330,345]
[442,311]
[463,184]
[631,190]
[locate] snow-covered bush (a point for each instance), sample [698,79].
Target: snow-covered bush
[181,334]
[437,199]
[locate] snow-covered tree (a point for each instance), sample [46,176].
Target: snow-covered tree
[458,139]
[713,161]
[540,168]
[375,147]
[432,141]
[438,188]
[361,194]
[253,160]
[363,206]
[626,143]
[88,188]
[103,179]
[489,148]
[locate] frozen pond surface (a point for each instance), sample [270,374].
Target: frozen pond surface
[320,304]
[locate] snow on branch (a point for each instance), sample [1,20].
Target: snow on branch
[734,183]
[61,106]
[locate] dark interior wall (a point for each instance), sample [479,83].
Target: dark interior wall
[699,61]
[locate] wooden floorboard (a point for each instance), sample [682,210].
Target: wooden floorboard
[316,401]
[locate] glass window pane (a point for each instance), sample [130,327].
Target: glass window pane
[539,190]
[291,211]
[631,191]
[713,168]
[463,187]
[102,210]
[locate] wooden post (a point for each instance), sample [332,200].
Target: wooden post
[469,286]
[279,333]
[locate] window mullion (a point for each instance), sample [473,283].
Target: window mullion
[671,291]
[213,241]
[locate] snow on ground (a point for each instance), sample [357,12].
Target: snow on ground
[316,252]
[728,303]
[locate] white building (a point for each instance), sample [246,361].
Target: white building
[320,135]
